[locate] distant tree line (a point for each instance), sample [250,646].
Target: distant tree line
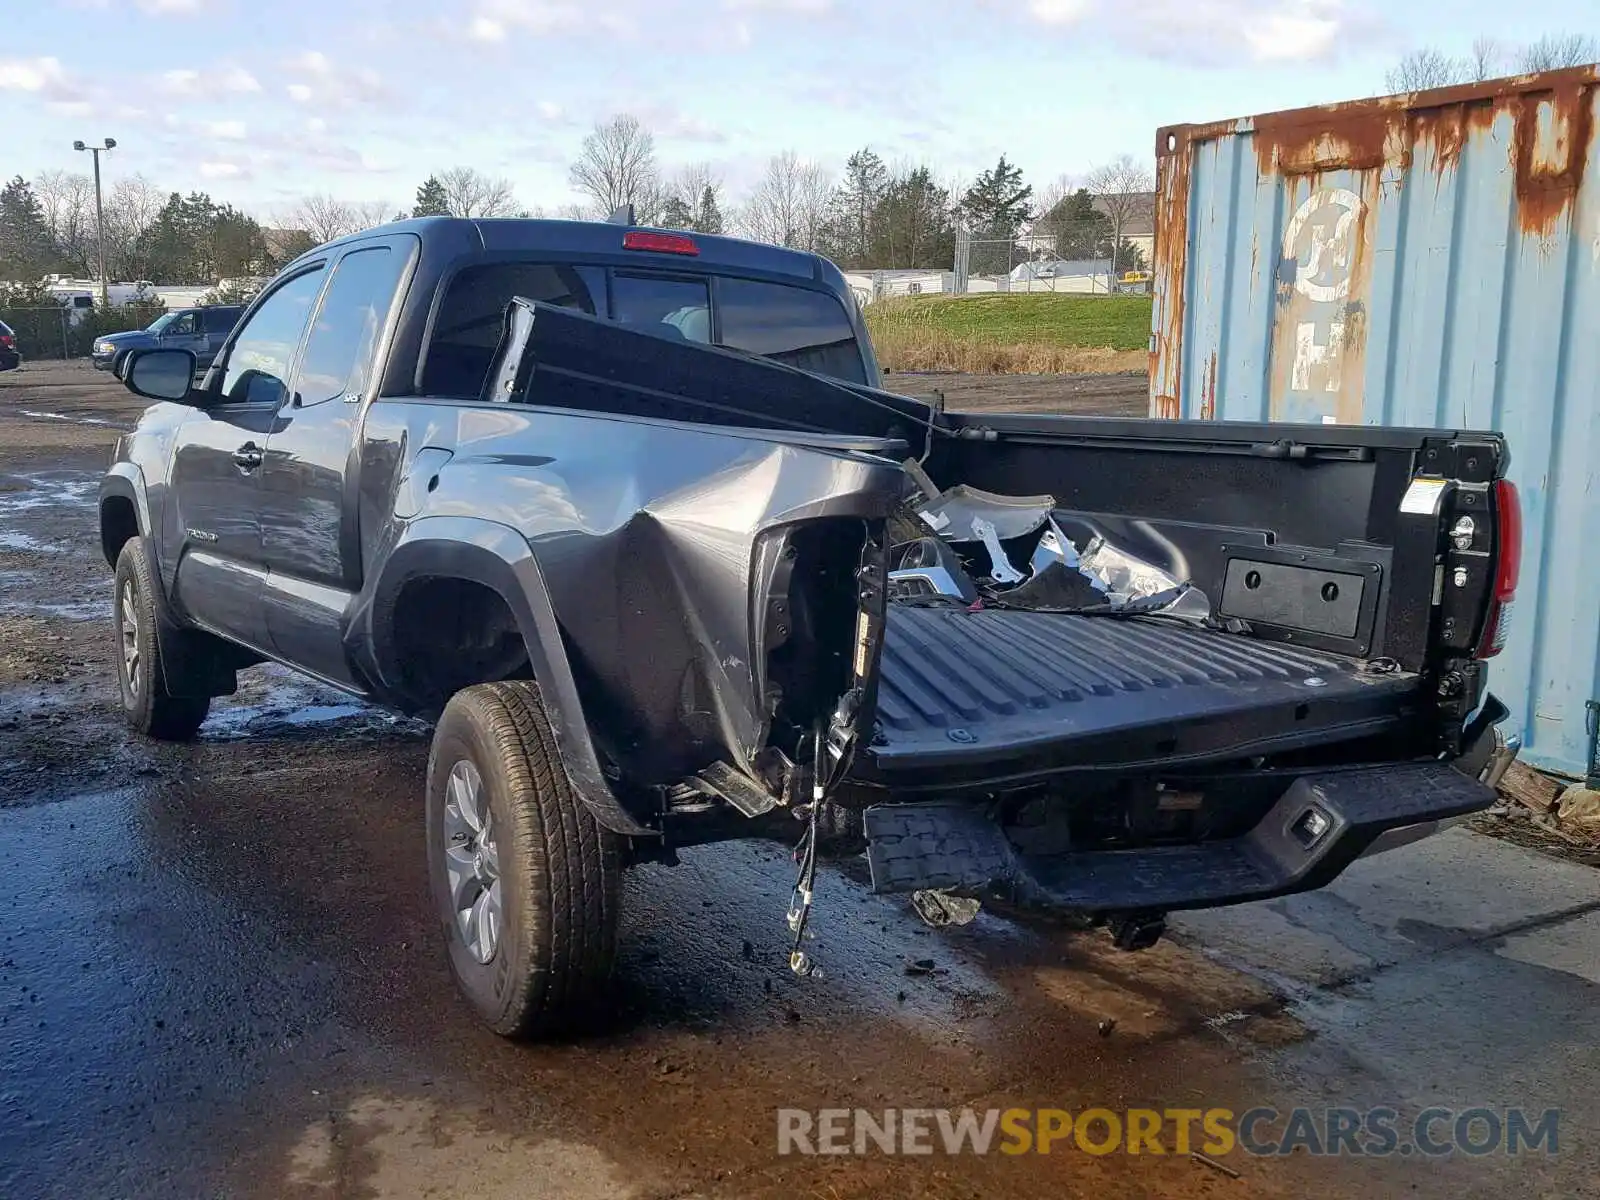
[1489,58]
[873,215]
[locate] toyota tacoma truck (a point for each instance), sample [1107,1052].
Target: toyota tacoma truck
[628,514]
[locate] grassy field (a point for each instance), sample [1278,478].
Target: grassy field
[1007,335]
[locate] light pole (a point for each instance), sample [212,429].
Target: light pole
[99,215]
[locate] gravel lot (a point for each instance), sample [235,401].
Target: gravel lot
[218,975]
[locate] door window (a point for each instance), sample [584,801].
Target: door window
[344,336]
[181,326]
[258,364]
[220,320]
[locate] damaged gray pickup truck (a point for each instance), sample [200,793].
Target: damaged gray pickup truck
[628,513]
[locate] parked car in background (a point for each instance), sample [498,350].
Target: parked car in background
[198,330]
[10,359]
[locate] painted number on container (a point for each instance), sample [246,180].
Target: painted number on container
[1321,239]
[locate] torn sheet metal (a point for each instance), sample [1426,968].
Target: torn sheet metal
[1124,577]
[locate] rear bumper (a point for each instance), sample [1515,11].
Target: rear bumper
[1321,824]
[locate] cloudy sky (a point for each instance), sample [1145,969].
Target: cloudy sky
[260,103]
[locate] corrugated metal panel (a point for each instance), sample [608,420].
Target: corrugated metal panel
[1433,260]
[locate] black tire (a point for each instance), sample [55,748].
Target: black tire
[558,870]
[142,679]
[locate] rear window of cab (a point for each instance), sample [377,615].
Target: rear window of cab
[794,325]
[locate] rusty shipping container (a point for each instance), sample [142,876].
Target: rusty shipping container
[1430,259]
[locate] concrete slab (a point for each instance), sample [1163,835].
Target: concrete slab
[1439,893]
[1570,946]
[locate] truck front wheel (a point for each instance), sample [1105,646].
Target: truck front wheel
[524,880]
[147,704]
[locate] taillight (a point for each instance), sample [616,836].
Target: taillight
[6,340]
[1508,560]
[661,243]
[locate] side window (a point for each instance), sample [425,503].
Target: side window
[183,323]
[466,329]
[257,370]
[793,325]
[220,320]
[344,336]
[671,308]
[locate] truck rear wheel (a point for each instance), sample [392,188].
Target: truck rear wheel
[524,880]
[147,704]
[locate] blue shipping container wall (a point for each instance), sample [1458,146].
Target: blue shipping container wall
[1422,260]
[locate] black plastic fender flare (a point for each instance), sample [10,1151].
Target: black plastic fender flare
[499,558]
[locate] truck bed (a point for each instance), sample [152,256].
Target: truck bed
[1106,692]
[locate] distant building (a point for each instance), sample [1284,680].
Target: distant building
[878,285]
[1138,220]
[1082,275]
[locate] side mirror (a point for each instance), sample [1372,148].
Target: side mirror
[160,374]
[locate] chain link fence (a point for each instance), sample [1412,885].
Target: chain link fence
[1077,261]
[59,332]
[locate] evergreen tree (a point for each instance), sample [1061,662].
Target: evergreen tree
[27,248]
[675,214]
[709,217]
[432,200]
[995,208]
[856,205]
[1081,230]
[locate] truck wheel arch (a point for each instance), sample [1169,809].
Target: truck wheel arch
[497,558]
[124,509]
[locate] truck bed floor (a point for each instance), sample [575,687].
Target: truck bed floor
[956,685]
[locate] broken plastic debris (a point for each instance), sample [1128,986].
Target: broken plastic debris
[951,515]
[938,908]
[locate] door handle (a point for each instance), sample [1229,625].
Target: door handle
[247,457]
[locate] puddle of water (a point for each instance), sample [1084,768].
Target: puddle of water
[70,489]
[12,540]
[50,416]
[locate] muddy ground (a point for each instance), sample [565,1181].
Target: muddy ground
[218,975]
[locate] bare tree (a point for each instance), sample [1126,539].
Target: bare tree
[374,212]
[617,166]
[816,192]
[68,203]
[130,208]
[772,213]
[695,190]
[1122,188]
[324,218]
[1423,69]
[1486,59]
[1557,50]
[470,193]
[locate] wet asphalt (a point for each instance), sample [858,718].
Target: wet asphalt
[219,976]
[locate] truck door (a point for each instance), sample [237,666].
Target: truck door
[216,470]
[185,332]
[308,499]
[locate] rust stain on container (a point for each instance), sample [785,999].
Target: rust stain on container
[1553,134]
[1208,391]
[1169,277]
[1319,328]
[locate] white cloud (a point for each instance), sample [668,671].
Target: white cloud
[170,7]
[493,20]
[810,8]
[224,81]
[233,131]
[1059,12]
[550,110]
[1300,32]
[323,83]
[38,76]
[316,125]
[1210,32]
[221,170]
